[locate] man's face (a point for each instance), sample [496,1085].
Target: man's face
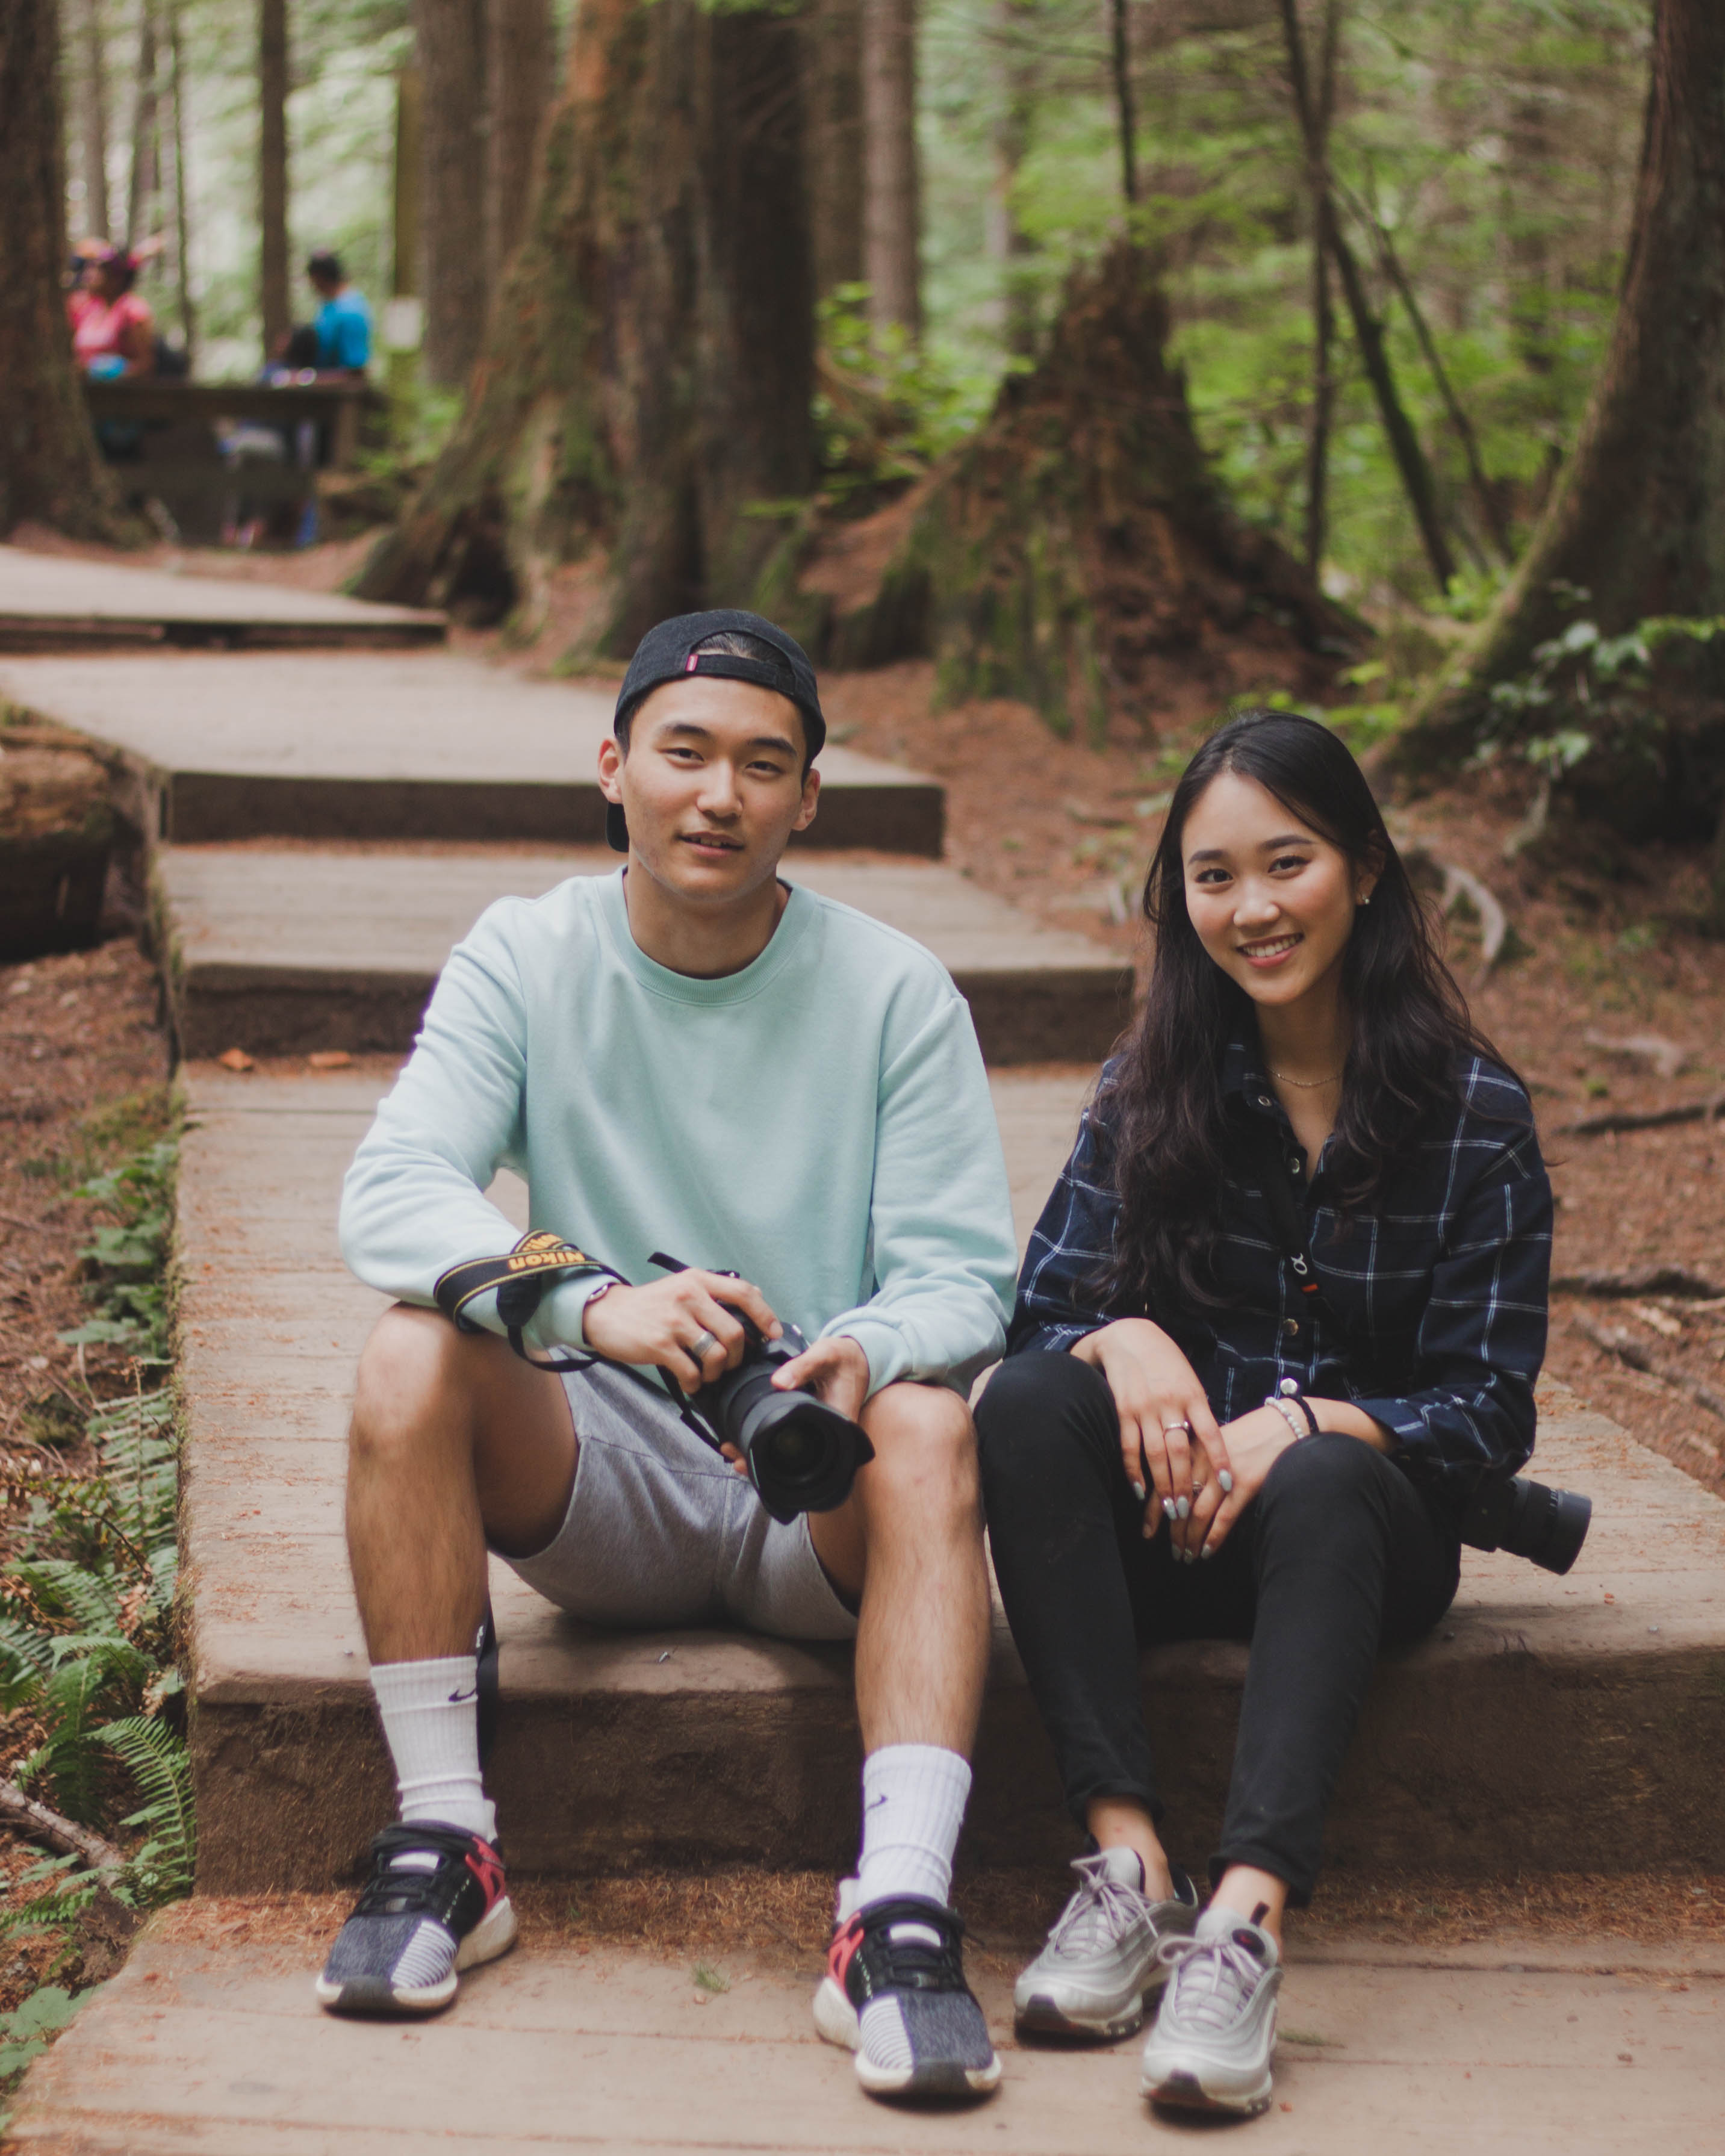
[712,785]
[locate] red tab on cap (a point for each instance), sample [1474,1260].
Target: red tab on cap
[691,664]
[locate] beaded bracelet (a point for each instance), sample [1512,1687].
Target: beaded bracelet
[1285,1399]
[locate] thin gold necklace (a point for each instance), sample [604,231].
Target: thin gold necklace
[1305,1084]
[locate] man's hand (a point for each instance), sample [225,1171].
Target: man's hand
[680,1324]
[1159,1401]
[835,1370]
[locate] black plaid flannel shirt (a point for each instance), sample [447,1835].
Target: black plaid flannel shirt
[1433,1316]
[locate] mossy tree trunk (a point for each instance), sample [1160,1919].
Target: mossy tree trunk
[1635,521]
[647,377]
[1080,543]
[49,467]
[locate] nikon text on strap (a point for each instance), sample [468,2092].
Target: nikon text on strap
[539,1261]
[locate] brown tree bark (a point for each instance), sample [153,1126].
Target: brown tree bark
[1634,520]
[833,97]
[449,41]
[1009,245]
[518,87]
[892,189]
[1077,552]
[273,302]
[94,114]
[1323,314]
[1368,330]
[183,221]
[49,471]
[144,192]
[649,367]
[1125,119]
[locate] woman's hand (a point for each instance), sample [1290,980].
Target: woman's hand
[1158,1399]
[1253,1443]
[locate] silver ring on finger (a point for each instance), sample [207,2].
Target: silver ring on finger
[702,1341]
[1169,1428]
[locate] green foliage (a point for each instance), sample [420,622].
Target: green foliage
[129,1257]
[25,2030]
[885,409]
[86,1602]
[1585,693]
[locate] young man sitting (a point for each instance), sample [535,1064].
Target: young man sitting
[691,1057]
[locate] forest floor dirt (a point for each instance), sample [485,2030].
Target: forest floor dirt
[83,1069]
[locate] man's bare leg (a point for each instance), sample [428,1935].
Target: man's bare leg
[453,1436]
[908,1546]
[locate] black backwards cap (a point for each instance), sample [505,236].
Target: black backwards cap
[671,650]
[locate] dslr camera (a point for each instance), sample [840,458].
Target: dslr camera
[1528,1519]
[801,1456]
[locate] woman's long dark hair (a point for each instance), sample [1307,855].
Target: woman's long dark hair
[1163,1102]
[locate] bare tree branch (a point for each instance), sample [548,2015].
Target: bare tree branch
[42,1824]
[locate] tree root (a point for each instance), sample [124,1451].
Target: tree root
[1458,884]
[1654,1280]
[42,1824]
[1655,1119]
[1628,1349]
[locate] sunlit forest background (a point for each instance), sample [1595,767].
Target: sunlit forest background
[1484,152]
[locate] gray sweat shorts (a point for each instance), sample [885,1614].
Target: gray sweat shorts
[660,1531]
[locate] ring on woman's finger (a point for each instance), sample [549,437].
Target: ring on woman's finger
[703,1343]
[1169,1428]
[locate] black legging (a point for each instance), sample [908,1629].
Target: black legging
[1337,1553]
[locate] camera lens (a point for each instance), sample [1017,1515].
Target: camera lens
[1547,1526]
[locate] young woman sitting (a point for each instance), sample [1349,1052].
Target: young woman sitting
[1201,1433]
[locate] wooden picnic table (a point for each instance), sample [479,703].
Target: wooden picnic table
[336,401]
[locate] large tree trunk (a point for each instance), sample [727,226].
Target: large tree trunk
[518,85]
[1009,245]
[48,467]
[648,368]
[95,131]
[450,38]
[183,221]
[1078,553]
[832,29]
[1635,521]
[892,191]
[145,188]
[273,302]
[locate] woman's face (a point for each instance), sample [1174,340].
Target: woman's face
[1272,901]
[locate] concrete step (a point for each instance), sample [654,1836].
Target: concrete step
[56,602]
[208,2039]
[392,744]
[281,952]
[1575,1724]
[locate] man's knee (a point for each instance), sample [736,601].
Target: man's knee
[925,1448]
[411,1360]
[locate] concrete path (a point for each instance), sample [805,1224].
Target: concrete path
[208,2042]
[281,952]
[393,745]
[54,602]
[1564,1724]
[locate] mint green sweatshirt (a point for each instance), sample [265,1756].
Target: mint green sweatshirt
[819,1122]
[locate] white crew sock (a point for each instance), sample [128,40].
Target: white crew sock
[913,1805]
[430,1713]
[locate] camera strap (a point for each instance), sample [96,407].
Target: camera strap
[539,1260]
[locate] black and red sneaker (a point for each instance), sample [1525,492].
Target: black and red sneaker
[894,1994]
[435,1903]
